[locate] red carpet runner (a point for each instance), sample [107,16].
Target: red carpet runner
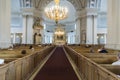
[57,68]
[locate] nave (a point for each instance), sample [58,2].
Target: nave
[62,63]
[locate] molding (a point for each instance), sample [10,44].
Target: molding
[27,11]
[53,23]
[87,12]
[102,13]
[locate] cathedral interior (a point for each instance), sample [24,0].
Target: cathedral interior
[59,40]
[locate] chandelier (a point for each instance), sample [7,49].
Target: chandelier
[59,33]
[56,12]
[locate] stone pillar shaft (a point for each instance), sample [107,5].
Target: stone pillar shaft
[27,29]
[77,37]
[5,20]
[89,26]
[113,38]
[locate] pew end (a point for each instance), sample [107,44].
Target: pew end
[113,68]
[104,60]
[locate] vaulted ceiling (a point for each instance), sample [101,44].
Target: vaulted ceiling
[78,4]
[73,7]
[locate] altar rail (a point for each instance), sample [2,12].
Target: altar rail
[21,68]
[89,70]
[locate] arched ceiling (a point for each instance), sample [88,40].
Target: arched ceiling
[72,5]
[68,22]
[78,4]
[71,12]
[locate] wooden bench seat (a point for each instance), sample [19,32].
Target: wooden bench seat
[113,68]
[7,60]
[99,55]
[104,60]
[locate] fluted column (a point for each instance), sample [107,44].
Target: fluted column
[113,38]
[24,38]
[43,35]
[77,36]
[5,20]
[27,29]
[91,36]
[14,38]
[88,26]
[105,38]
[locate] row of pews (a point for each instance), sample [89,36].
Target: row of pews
[103,62]
[21,68]
[11,54]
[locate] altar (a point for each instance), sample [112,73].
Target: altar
[59,36]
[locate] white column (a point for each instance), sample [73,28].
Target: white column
[88,18]
[5,20]
[95,29]
[83,29]
[105,38]
[30,29]
[14,37]
[27,29]
[113,38]
[77,36]
[91,30]
[24,30]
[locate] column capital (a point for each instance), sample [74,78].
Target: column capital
[27,11]
[88,12]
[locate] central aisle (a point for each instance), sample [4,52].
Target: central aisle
[57,68]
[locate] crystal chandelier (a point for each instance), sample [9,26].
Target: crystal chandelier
[56,12]
[59,32]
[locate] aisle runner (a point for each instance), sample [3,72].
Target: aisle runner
[57,68]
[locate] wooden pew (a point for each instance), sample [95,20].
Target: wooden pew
[104,60]
[7,60]
[1,64]
[99,55]
[113,68]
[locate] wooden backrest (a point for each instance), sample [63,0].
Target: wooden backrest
[113,68]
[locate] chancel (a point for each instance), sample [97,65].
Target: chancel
[57,13]
[59,39]
[59,35]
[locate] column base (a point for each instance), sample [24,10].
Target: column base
[113,46]
[5,45]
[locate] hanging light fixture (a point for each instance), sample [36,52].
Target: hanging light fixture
[59,31]
[56,12]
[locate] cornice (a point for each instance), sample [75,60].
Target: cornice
[87,12]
